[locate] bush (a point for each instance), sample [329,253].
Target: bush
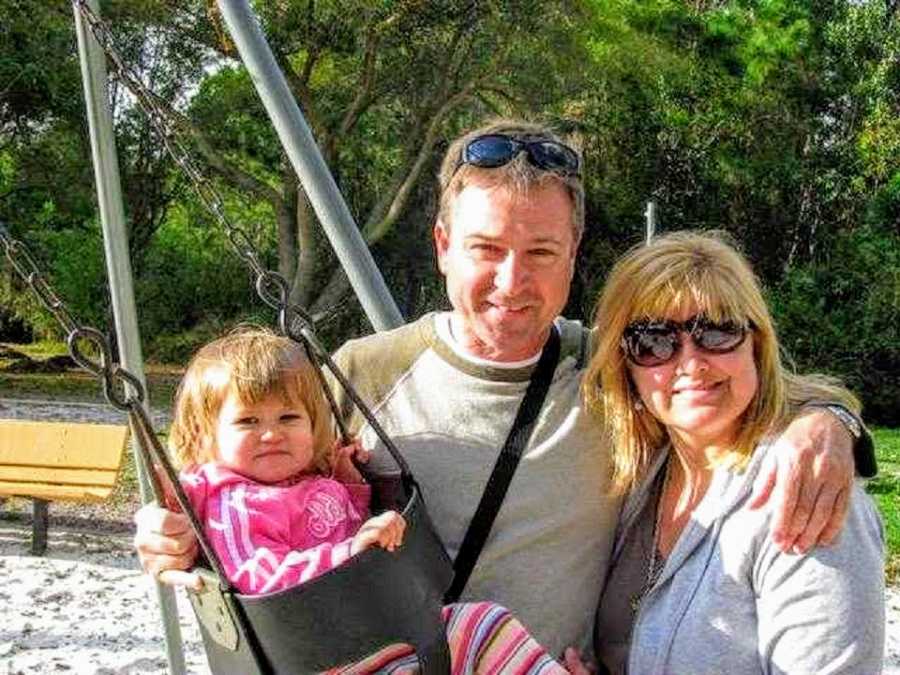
[188,276]
[842,316]
[13,328]
[179,347]
[71,263]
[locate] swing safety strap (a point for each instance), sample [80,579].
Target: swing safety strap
[505,467]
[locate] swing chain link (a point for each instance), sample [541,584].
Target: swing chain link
[168,127]
[271,286]
[23,262]
[112,377]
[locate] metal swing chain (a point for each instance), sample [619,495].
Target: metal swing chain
[111,375]
[167,126]
[270,286]
[293,321]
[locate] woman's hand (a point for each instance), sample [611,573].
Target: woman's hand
[573,663]
[385,530]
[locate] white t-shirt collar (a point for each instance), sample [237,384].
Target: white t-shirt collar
[442,326]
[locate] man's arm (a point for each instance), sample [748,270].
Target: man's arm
[863,444]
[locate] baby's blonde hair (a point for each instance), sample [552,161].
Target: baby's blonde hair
[251,363]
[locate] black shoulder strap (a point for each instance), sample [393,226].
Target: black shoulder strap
[507,461]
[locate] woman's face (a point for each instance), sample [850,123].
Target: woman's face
[699,395]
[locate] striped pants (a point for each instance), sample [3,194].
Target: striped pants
[484,639]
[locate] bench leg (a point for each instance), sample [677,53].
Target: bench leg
[39,526]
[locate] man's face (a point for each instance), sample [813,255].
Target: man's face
[508,260]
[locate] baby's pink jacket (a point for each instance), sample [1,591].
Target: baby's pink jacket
[271,537]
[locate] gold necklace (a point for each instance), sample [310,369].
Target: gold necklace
[657,562]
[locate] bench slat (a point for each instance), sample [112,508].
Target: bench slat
[61,444]
[72,493]
[63,476]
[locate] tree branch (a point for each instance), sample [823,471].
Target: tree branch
[891,7]
[298,86]
[383,217]
[217,161]
[363,96]
[502,93]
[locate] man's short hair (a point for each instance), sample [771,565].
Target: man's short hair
[519,175]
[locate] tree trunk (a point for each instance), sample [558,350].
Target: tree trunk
[286,214]
[303,281]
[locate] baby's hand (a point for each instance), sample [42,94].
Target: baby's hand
[384,530]
[574,664]
[342,457]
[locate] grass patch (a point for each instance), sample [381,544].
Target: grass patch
[43,349]
[76,384]
[885,490]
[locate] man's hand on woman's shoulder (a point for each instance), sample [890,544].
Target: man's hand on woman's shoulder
[806,478]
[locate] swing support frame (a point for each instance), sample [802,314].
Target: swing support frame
[306,160]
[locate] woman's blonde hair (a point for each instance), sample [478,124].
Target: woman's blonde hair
[251,363]
[706,273]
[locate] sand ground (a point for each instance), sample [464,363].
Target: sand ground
[84,607]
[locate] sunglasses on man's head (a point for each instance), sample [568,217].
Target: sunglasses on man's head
[494,150]
[651,343]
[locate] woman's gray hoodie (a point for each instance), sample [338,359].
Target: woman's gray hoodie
[729,601]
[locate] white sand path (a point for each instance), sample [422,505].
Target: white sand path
[84,607]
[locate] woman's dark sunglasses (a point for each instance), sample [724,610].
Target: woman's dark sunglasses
[651,343]
[493,150]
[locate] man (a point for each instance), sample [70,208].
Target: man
[447,388]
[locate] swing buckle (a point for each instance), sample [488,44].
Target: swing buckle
[214,611]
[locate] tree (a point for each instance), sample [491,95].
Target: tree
[380,85]
[778,121]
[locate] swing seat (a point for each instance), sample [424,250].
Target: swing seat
[373,600]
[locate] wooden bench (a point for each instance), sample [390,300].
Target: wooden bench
[53,461]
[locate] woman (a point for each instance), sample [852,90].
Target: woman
[688,375]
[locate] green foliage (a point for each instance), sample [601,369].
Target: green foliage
[177,348]
[885,490]
[38,69]
[842,316]
[191,277]
[71,262]
[887,449]
[227,105]
[774,119]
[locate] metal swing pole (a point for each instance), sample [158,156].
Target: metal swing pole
[650,217]
[303,153]
[118,265]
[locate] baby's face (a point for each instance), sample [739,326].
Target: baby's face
[268,441]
